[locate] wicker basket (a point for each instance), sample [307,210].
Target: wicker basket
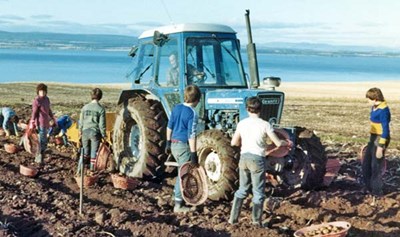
[10,148]
[28,170]
[124,182]
[88,180]
[342,229]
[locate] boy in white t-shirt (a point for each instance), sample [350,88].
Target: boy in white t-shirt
[250,134]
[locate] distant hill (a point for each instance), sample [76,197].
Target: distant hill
[65,41]
[40,40]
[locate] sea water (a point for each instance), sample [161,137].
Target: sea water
[84,66]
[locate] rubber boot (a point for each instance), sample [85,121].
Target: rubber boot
[235,211]
[92,164]
[257,214]
[39,159]
[65,140]
[180,208]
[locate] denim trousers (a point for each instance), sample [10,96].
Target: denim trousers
[43,139]
[372,167]
[251,173]
[181,153]
[90,142]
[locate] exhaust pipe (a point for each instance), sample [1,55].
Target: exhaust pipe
[251,54]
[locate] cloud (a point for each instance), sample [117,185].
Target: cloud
[41,17]
[11,17]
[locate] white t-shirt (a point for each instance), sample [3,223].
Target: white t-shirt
[253,133]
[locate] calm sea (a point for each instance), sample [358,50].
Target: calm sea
[71,66]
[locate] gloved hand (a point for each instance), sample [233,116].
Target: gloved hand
[168,148]
[194,159]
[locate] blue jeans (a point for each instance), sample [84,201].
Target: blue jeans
[372,167]
[251,172]
[43,139]
[181,153]
[90,142]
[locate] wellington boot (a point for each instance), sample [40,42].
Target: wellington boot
[235,211]
[257,214]
[180,208]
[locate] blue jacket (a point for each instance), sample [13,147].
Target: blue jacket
[6,113]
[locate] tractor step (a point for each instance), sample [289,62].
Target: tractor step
[171,163]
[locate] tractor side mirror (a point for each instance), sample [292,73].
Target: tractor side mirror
[133,51]
[159,38]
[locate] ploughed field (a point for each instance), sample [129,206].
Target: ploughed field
[48,205]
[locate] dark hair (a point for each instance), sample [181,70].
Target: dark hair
[41,87]
[96,94]
[14,119]
[375,94]
[192,94]
[253,105]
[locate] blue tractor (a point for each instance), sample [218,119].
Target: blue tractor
[168,59]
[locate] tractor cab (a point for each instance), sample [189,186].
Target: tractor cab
[207,55]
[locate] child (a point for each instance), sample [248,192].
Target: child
[40,119]
[9,120]
[63,123]
[378,141]
[181,137]
[92,126]
[250,134]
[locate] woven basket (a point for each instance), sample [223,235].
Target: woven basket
[193,183]
[124,182]
[343,228]
[10,148]
[28,170]
[88,180]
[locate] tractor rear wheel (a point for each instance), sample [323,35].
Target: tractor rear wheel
[317,159]
[308,161]
[138,139]
[220,160]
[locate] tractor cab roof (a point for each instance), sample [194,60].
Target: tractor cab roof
[189,27]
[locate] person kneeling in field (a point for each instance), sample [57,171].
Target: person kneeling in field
[92,126]
[250,135]
[60,129]
[9,120]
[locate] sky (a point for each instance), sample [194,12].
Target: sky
[336,22]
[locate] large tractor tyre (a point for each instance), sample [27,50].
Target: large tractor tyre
[138,139]
[220,160]
[314,151]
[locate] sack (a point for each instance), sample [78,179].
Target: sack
[103,157]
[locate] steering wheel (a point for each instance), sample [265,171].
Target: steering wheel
[199,77]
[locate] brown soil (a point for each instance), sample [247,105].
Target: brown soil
[48,205]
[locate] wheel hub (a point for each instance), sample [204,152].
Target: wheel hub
[213,166]
[135,142]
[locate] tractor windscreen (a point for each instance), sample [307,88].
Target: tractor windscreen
[213,62]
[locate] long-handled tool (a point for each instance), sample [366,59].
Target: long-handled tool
[81,169]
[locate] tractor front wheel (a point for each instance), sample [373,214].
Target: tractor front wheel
[220,161]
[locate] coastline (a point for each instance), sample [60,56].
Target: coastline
[337,90]
[334,90]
